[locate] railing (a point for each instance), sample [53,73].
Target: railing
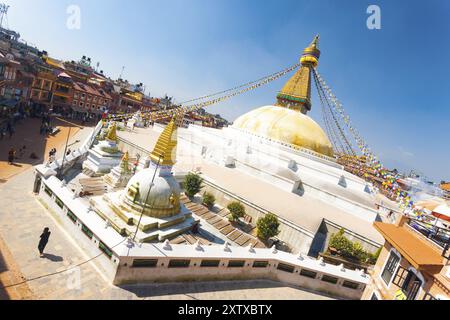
[439,236]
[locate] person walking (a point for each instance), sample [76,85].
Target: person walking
[11,155]
[44,240]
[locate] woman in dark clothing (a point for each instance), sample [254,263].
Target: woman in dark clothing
[43,242]
[11,155]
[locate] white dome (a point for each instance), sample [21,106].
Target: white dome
[163,200]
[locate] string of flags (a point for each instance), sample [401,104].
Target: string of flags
[390,179]
[181,110]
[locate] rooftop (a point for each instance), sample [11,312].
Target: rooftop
[421,254]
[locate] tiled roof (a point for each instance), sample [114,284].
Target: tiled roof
[91,90]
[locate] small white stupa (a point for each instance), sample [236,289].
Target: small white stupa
[150,201]
[105,155]
[120,175]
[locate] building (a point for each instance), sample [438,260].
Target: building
[445,187]
[41,90]
[90,100]
[411,266]
[62,94]
[80,71]
[127,98]
[8,75]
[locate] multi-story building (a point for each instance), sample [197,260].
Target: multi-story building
[90,100]
[127,98]
[41,91]
[80,71]
[62,94]
[413,264]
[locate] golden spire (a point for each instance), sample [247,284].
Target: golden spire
[296,93]
[124,162]
[112,133]
[166,147]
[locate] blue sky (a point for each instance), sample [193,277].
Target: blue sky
[394,82]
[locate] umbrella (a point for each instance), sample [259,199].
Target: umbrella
[442,212]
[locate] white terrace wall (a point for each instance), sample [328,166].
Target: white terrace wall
[306,272]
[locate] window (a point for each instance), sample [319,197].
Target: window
[329,279]
[236,263]
[210,263]
[390,267]
[87,231]
[260,264]
[37,83]
[350,285]
[48,191]
[75,102]
[72,216]
[179,263]
[59,202]
[83,96]
[285,267]
[75,95]
[81,103]
[408,281]
[308,273]
[144,263]
[105,249]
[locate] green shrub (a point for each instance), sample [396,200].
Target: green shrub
[208,200]
[268,226]
[237,211]
[352,250]
[373,257]
[192,184]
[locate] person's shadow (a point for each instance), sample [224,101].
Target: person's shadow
[52,257]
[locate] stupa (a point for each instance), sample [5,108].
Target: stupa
[152,196]
[119,175]
[105,155]
[138,120]
[287,121]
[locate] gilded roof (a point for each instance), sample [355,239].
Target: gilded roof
[285,125]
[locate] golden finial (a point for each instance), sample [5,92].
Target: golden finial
[112,133]
[165,148]
[311,54]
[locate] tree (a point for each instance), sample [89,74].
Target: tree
[192,184]
[208,199]
[237,210]
[268,226]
